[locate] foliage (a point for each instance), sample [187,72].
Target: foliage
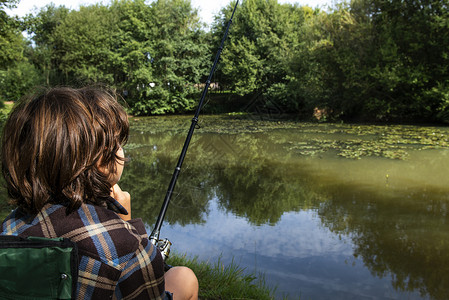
[17,74]
[46,55]
[84,38]
[261,40]
[416,31]
[376,60]
[11,46]
[152,54]
[336,47]
[17,80]
[5,208]
[366,60]
[179,59]
[130,62]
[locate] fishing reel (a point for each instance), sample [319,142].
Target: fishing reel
[164,246]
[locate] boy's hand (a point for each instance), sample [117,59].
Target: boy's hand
[124,199]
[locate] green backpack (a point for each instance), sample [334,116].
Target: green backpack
[37,268]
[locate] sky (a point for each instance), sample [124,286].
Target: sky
[207,8]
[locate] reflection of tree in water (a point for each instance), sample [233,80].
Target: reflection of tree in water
[147,178]
[261,191]
[407,238]
[245,181]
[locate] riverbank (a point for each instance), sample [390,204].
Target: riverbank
[219,281]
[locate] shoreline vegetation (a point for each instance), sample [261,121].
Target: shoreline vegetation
[218,281]
[353,61]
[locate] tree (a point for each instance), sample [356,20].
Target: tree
[18,79]
[131,51]
[333,61]
[17,74]
[153,61]
[417,33]
[179,58]
[260,43]
[85,40]
[374,60]
[46,54]
[11,46]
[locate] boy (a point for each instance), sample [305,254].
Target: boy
[62,158]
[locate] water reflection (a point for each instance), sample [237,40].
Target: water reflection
[298,254]
[405,235]
[317,226]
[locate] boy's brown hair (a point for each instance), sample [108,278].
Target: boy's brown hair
[55,143]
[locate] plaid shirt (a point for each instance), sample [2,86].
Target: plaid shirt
[117,261]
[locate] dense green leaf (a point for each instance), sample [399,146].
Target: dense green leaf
[367,60]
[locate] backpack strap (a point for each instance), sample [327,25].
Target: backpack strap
[38,268]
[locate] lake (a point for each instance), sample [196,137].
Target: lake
[324,211]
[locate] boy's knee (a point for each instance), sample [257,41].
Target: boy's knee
[182,282]
[187,276]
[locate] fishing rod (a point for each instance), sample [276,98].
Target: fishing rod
[164,245]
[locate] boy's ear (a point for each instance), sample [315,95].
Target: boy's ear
[103,169]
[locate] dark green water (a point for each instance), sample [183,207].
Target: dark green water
[324,211]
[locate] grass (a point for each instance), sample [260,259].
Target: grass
[219,282]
